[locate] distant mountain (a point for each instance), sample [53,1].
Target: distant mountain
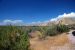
[66,20]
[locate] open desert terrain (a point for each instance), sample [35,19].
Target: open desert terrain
[59,42]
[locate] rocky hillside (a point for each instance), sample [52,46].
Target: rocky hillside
[67,20]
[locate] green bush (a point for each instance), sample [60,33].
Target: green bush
[52,30]
[13,38]
[56,29]
[62,28]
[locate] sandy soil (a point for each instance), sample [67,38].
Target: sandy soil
[59,42]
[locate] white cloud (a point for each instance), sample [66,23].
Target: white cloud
[72,14]
[13,21]
[33,22]
[39,22]
[36,22]
[53,19]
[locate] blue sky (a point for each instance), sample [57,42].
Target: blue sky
[34,10]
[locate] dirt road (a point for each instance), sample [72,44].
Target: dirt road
[59,42]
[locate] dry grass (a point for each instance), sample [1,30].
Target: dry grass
[59,42]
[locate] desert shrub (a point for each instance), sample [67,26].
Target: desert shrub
[42,30]
[13,38]
[52,30]
[56,29]
[62,28]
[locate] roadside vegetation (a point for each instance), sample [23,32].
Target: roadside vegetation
[13,38]
[17,37]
